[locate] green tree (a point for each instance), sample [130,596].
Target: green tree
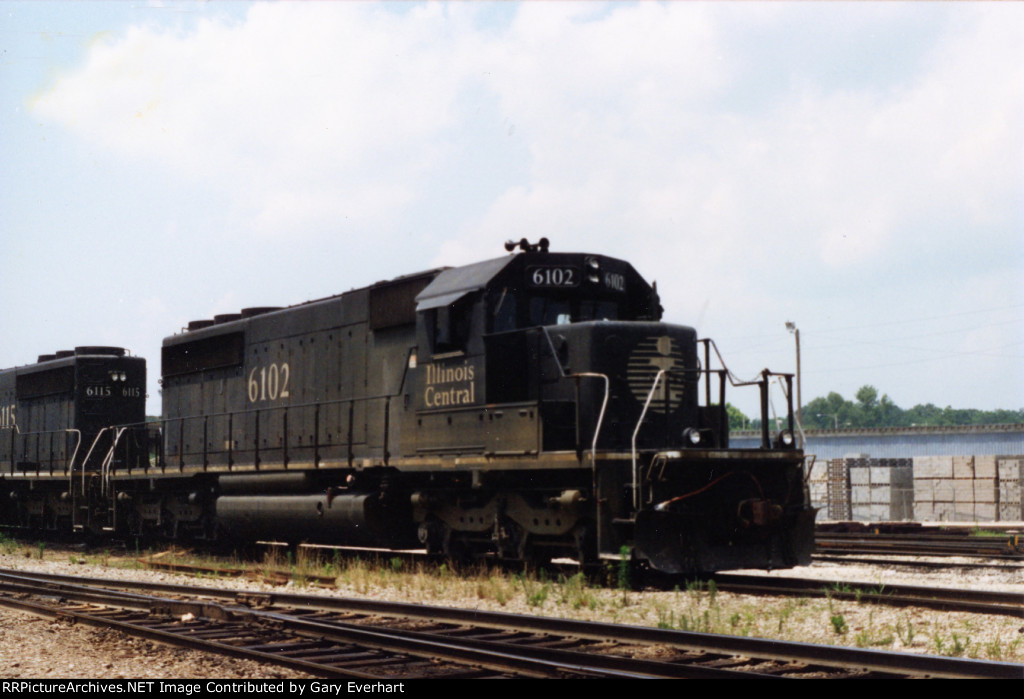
[869,411]
[829,412]
[737,420]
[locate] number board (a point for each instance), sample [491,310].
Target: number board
[556,276]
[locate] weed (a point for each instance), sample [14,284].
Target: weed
[957,649]
[42,548]
[978,531]
[7,544]
[492,588]
[576,594]
[624,580]
[995,651]
[666,618]
[784,615]
[960,646]
[906,633]
[867,638]
[839,624]
[538,595]
[535,594]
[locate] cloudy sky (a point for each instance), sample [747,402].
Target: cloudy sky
[857,169]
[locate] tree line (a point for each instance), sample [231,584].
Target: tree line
[869,411]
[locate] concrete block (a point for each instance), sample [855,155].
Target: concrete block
[860,476]
[933,467]
[985,490]
[963,467]
[923,512]
[879,475]
[924,490]
[984,467]
[903,476]
[1010,512]
[963,491]
[943,490]
[879,494]
[984,512]
[1009,469]
[881,513]
[860,494]
[1010,492]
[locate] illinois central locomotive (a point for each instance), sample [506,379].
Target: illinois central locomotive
[62,420]
[525,407]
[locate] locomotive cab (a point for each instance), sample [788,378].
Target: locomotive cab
[532,336]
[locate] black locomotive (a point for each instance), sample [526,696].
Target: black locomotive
[62,421]
[527,407]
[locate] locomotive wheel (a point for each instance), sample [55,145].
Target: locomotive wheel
[510,539]
[434,534]
[586,544]
[457,549]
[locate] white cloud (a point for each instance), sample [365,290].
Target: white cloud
[308,112]
[297,98]
[754,158]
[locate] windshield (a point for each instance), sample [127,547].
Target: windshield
[510,311]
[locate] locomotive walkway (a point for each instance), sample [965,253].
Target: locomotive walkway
[331,637]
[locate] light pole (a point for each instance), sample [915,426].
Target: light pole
[791,327]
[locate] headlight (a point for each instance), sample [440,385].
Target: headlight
[785,440]
[692,436]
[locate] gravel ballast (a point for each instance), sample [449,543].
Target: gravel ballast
[32,647]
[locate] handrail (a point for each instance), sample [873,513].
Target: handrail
[386,398]
[108,459]
[762,382]
[95,441]
[71,464]
[583,375]
[643,414]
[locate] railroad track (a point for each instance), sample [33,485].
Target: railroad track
[914,540]
[334,637]
[915,562]
[943,599]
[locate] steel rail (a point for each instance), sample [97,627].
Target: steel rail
[885,559]
[814,658]
[177,639]
[525,661]
[944,599]
[920,542]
